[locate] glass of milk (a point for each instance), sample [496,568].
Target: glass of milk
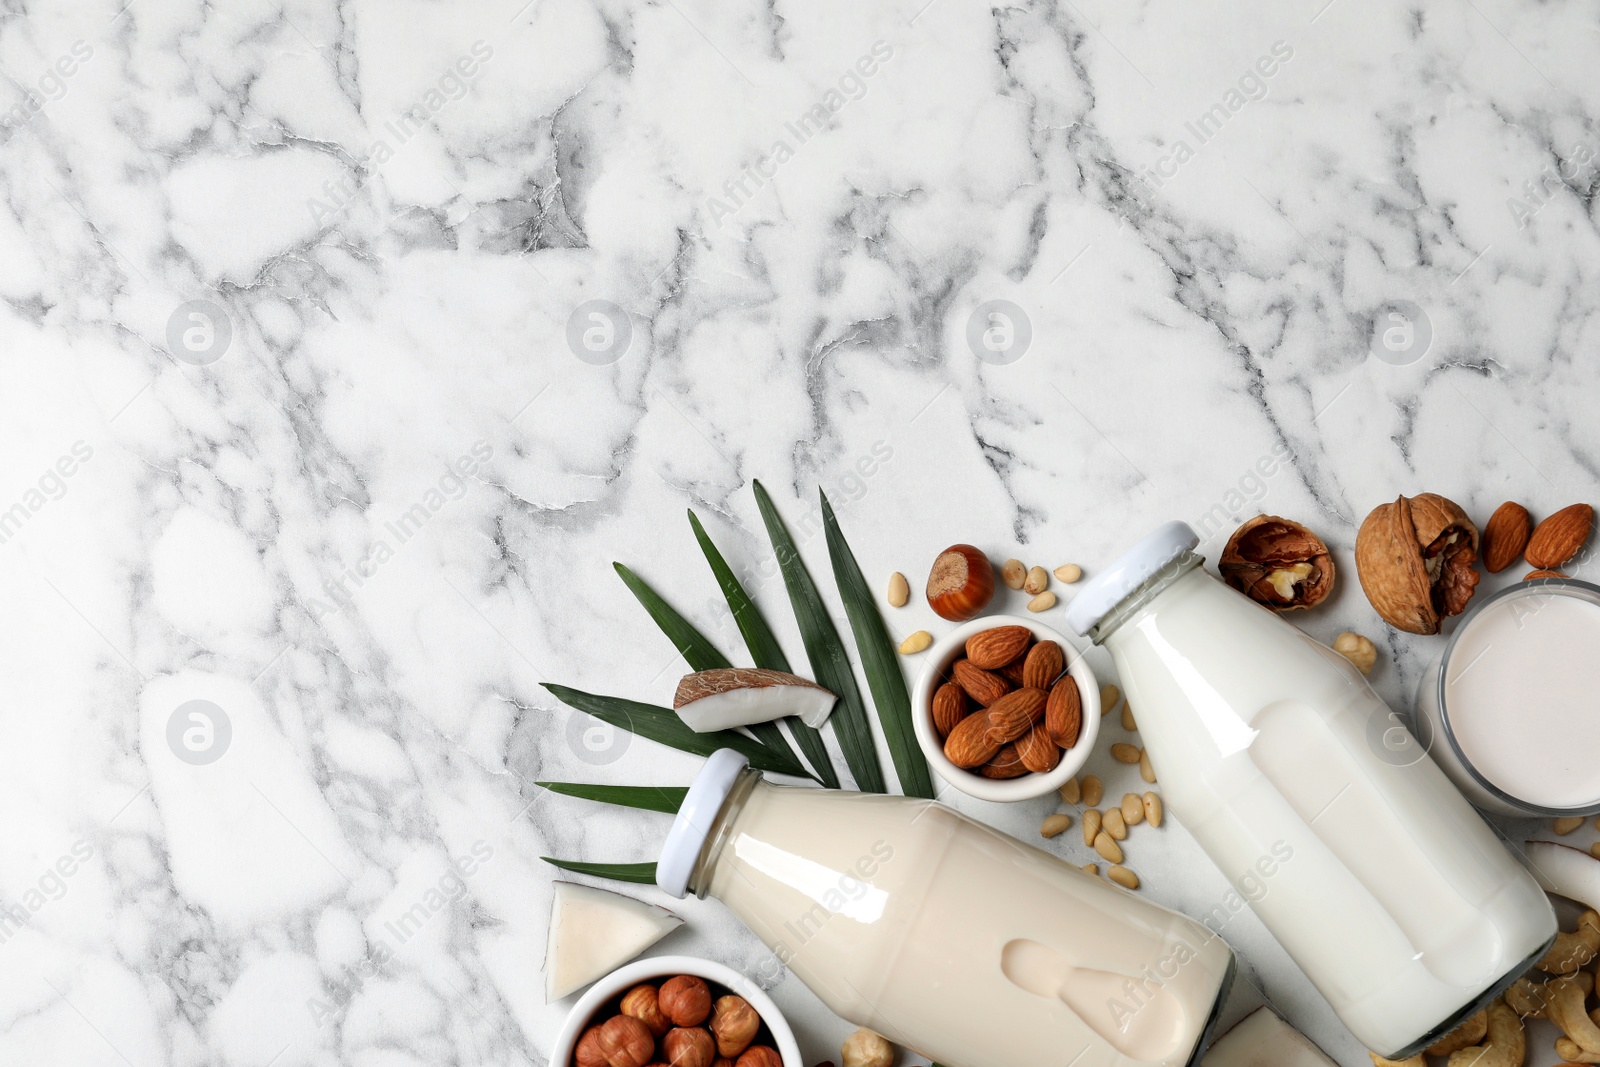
[943,934]
[1389,891]
[1513,702]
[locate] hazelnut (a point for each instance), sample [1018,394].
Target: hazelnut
[760,1056]
[589,1053]
[1357,649]
[689,1047]
[866,1049]
[686,1000]
[626,1042]
[734,1024]
[642,1002]
[960,584]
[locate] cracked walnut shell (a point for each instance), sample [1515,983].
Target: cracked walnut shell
[1278,563]
[1415,560]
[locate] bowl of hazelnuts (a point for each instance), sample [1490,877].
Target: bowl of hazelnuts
[680,1011]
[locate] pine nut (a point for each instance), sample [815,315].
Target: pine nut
[1070,791]
[1091,868]
[899,590]
[1152,808]
[1132,809]
[1091,826]
[917,642]
[1123,752]
[1127,717]
[1092,790]
[1123,877]
[1054,825]
[1107,847]
[1594,850]
[1114,824]
[1038,580]
[1069,572]
[1567,825]
[1109,695]
[1013,572]
[1146,771]
[1043,602]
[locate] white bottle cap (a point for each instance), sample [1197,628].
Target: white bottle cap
[1128,572]
[693,824]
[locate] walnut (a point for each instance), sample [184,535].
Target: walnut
[1415,559]
[1278,563]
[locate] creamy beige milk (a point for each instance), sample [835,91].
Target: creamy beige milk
[1397,901]
[1522,691]
[961,942]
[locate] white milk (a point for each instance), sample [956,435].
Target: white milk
[1398,902]
[956,940]
[1521,695]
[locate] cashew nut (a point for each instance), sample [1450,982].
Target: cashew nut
[1573,1052]
[1506,1046]
[1573,949]
[1565,1008]
[1527,998]
[1470,1032]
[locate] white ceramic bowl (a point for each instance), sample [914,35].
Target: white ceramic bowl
[657,968]
[952,647]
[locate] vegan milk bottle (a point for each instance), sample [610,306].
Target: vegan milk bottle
[1383,884]
[942,934]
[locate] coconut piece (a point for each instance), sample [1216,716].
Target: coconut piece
[738,696]
[593,932]
[1262,1039]
[1565,871]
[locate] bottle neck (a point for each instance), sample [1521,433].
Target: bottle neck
[1142,595]
[721,831]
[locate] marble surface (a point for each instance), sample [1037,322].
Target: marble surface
[345,346]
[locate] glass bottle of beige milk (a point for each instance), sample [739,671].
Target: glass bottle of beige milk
[942,934]
[1383,884]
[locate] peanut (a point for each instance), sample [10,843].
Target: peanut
[1070,791]
[1152,808]
[1146,771]
[1123,877]
[1107,847]
[1109,695]
[1037,581]
[1013,572]
[1566,825]
[1091,826]
[1054,825]
[899,590]
[917,642]
[1092,790]
[1043,602]
[1123,752]
[1069,573]
[1132,809]
[1114,824]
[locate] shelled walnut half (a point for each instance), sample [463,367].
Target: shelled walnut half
[1278,563]
[1415,559]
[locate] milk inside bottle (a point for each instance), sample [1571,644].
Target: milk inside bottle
[943,934]
[1395,898]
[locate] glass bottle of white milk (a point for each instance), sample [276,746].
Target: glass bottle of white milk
[1388,890]
[943,934]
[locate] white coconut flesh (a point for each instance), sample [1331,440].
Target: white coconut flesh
[595,931]
[726,697]
[1565,871]
[1262,1039]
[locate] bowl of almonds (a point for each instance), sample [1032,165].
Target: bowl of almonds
[678,1010]
[1006,709]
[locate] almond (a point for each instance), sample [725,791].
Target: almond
[1014,714]
[980,685]
[1559,537]
[949,707]
[1043,665]
[1039,753]
[1063,713]
[968,745]
[1006,764]
[989,649]
[1505,536]
[1533,576]
[1012,672]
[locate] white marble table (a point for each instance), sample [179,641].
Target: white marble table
[306,413]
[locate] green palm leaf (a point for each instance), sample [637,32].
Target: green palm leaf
[830,664]
[641,873]
[663,798]
[764,650]
[879,661]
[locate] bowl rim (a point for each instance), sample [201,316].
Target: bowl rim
[642,970]
[1028,786]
